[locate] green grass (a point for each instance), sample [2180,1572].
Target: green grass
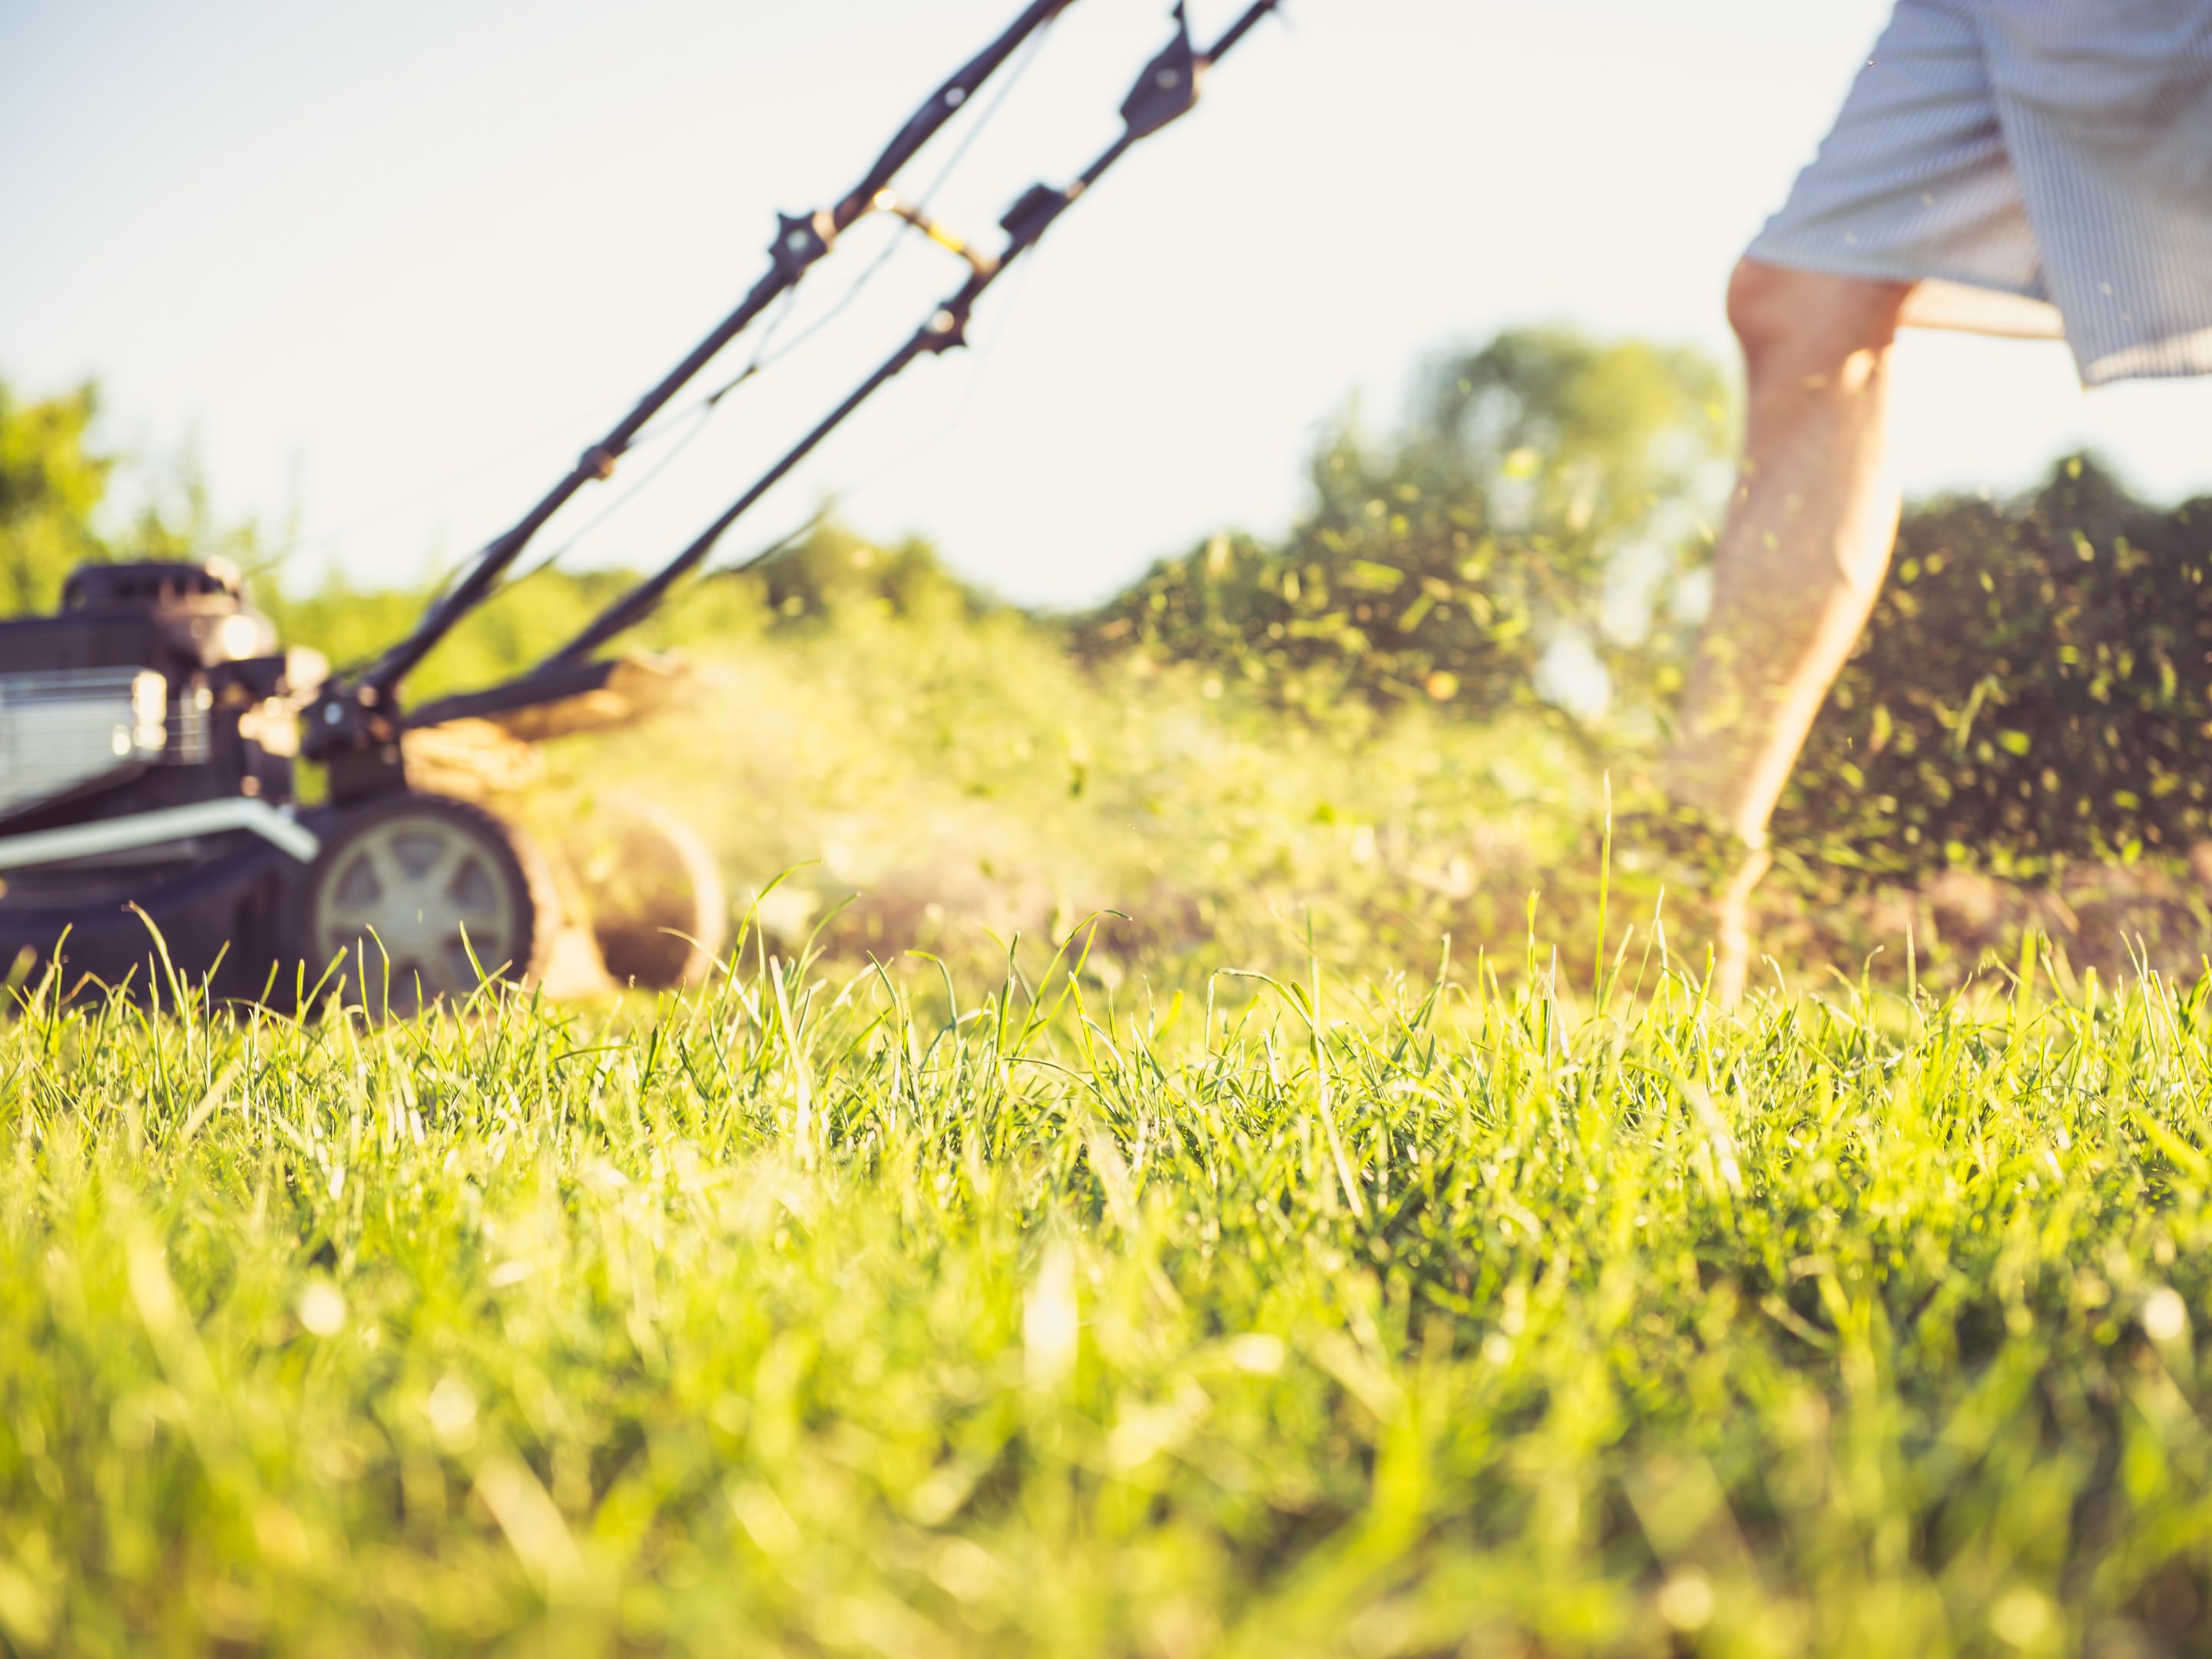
[820,1315]
[1151,1309]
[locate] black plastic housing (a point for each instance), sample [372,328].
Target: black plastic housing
[192,625]
[217,902]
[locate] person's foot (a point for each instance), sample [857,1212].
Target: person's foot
[1731,923]
[1699,877]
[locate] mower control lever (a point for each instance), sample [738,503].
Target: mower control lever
[799,242]
[1167,89]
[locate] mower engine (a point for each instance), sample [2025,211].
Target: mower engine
[152,688]
[146,737]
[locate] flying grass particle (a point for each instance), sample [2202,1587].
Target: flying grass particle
[1685,1601]
[2165,1315]
[2021,1617]
[322,1308]
[1050,1322]
[452,1409]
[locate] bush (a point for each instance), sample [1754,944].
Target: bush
[2032,688]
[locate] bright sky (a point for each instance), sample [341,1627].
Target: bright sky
[391,266]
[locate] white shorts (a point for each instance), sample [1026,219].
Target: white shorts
[2038,166]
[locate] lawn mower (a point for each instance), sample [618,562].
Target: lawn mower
[150,832]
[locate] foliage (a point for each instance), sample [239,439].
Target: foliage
[833,569]
[56,509]
[351,625]
[50,486]
[830,572]
[1541,478]
[2033,688]
[173,515]
[1060,1322]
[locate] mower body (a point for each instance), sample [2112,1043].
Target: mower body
[149,835]
[146,743]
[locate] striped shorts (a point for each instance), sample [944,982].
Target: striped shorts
[2038,167]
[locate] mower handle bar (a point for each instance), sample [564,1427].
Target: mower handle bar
[1167,90]
[799,242]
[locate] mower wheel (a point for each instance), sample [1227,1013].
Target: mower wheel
[415,892]
[658,912]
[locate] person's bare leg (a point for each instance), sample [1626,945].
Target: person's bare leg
[1799,560]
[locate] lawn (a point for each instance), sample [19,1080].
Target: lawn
[850,1312]
[1206,1145]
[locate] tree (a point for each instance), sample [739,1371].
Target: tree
[51,485]
[55,497]
[1529,509]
